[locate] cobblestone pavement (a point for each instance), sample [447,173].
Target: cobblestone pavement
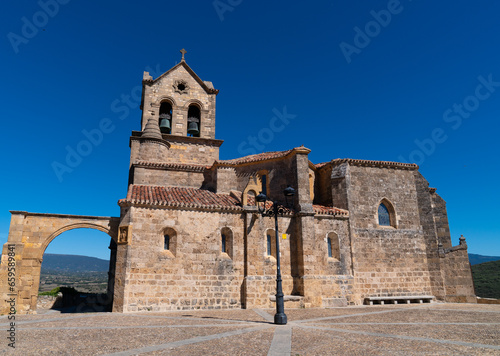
[429,329]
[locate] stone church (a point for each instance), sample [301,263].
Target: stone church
[190,234]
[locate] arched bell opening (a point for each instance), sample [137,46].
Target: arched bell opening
[165,118]
[194,116]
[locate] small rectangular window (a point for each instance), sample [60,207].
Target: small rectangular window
[223,247]
[269,252]
[264,184]
[329,241]
[166,244]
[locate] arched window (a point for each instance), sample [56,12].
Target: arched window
[384,218]
[270,243]
[165,119]
[169,240]
[386,214]
[333,245]
[194,117]
[226,239]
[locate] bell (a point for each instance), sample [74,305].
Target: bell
[193,128]
[165,126]
[165,123]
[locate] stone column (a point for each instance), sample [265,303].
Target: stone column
[303,201]
[179,121]
[304,241]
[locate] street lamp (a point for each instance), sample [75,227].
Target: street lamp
[275,210]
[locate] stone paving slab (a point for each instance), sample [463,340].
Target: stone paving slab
[478,333]
[486,308]
[422,315]
[103,321]
[298,314]
[323,342]
[437,329]
[252,343]
[231,314]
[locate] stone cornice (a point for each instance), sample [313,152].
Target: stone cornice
[368,163]
[170,166]
[136,135]
[25,213]
[155,140]
[188,207]
[302,150]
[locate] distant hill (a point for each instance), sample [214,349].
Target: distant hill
[477,259]
[487,279]
[73,263]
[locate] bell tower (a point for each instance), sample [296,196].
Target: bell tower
[182,106]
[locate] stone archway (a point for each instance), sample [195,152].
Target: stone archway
[29,236]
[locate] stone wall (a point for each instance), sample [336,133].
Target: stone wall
[194,151]
[387,260]
[153,150]
[182,150]
[458,281]
[427,212]
[280,174]
[340,179]
[195,274]
[323,186]
[169,178]
[260,268]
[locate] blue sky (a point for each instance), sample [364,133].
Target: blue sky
[408,81]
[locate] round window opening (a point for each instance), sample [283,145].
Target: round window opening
[181,86]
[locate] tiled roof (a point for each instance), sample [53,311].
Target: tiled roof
[199,198]
[329,210]
[172,166]
[319,165]
[179,197]
[254,158]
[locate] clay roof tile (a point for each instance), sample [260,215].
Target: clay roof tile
[179,197]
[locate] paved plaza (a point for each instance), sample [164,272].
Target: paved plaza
[428,329]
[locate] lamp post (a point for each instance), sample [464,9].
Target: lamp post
[275,210]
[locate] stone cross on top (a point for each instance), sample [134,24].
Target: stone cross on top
[183,51]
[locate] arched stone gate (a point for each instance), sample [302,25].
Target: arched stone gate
[29,236]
